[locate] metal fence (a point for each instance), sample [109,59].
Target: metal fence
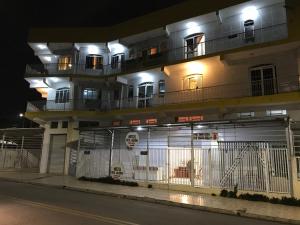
[204,94]
[20,148]
[176,53]
[253,157]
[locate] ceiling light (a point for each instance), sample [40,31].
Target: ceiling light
[249,13]
[47,58]
[42,46]
[93,49]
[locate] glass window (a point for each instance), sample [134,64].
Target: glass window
[64,63]
[194,45]
[263,80]
[130,91]
[54,125]
[62,95]
[280,112]
[193,83]
[90,94]
[65,124]
[145,93]
[153,51]
[161,87]
[117,60]
[94,62]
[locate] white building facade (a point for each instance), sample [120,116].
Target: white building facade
[205,103]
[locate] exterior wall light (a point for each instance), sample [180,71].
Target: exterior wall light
[139,128]
[93,49]
[47,58]
[42,46]
[249,13]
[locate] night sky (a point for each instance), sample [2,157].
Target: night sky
[18,16]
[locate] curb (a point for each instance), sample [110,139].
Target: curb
[160,201]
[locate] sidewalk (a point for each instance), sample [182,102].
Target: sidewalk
[259,210]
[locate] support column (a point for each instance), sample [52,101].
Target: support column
[45,151]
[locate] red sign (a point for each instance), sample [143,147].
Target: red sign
[135,122]
[151,121]
[186,119]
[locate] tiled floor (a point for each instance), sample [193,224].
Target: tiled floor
[257,208]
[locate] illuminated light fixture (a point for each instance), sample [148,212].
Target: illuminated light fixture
[249,13]
[195,68]
[93,49]
[54,79]
[191,24]
[47,58]
[42,46]
[169,124]
[200,126]
[117,48]
[139,128]
[145,77]
[21,115]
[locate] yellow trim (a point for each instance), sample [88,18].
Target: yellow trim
[285,98]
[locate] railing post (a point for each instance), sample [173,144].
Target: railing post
[147,159]
[110,151]
[290,153]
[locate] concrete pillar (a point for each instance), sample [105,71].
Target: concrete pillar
[45,150]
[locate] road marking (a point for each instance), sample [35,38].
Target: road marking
[71,211]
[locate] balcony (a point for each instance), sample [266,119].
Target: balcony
[173,55]
[206,94]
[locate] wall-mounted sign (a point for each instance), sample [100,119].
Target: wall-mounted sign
[152,121]
[187,119]
[116,123]
[132,139]
[135,122]
[117,171]
[206,136]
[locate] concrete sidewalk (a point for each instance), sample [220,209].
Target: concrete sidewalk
[259,210]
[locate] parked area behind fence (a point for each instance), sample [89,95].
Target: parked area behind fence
[20,148]
[252,156]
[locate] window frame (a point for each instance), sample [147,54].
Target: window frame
[91,94]
[62,95]
[96,62]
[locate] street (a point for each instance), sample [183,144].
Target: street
[25,204]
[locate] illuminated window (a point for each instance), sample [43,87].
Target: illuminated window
[64,63]
[94,62]
[194,45]
[90,94]
[62,95]
[145,93]
[153,51]
[193,84]
[280,112]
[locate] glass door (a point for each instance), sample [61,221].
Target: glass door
[145,94]
[263,81]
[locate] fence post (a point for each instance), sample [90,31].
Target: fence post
[266,159]
[209,167]
[192,175]
[2,147]
[110,150]
[289,155]
[147,159]
[22,146]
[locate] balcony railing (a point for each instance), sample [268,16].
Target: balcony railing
[173,55]
[234,90]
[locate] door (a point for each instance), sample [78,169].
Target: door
[145,93]
[263,81]
[117,61]
[57,149]
[194,45]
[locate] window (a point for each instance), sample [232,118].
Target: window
[54,125]
[263,80]
[145,93]
[161,88]
[116,94]
[65,124]
[130,92]
[62,95]
[88,124]
[153,51]
[94,62]
[64,63]
[194,45]
[249,34]
[89,94]
[298,168]
[117,60]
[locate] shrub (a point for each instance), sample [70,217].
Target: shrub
[224,193]
[109,180]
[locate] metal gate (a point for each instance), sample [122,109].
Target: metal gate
[20,148]
[253,157]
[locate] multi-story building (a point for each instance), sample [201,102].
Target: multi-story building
[199,95]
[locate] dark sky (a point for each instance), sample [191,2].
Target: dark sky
[16,18]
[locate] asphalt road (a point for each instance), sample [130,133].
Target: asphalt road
[24,204]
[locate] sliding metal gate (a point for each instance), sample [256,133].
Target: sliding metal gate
[253,157]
